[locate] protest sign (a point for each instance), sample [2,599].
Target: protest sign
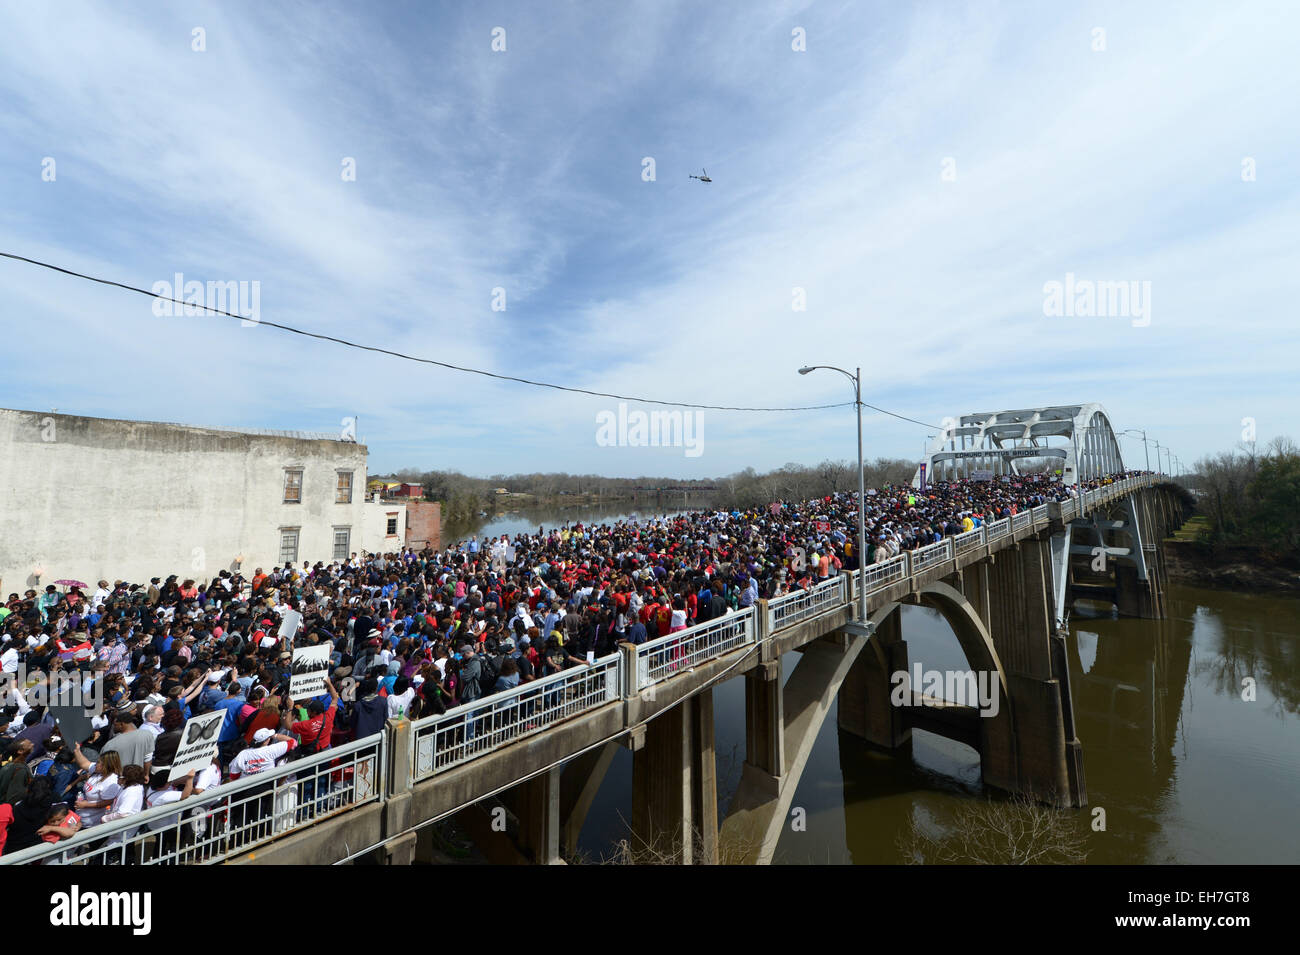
[198,743]
[73,723]
[289,626]
[310,668]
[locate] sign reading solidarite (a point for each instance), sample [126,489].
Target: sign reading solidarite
[310,668]
[198,743]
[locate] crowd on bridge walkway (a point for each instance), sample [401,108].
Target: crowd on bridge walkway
[410,634]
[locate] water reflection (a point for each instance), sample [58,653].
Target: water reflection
[1186,770]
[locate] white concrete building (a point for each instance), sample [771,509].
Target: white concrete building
[97,498]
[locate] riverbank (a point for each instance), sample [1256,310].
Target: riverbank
[1243,569]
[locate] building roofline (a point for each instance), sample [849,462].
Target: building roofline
[335,437]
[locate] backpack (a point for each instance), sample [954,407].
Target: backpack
[470,687]
[490,669]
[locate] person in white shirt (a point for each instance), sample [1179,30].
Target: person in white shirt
[128,802]
[209,777]
[399,700]
[100,789]
[268,748]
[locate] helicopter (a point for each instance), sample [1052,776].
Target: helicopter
[703,178]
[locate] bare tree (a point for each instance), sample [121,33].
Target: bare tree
[998,832]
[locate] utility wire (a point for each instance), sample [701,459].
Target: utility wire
[431,361]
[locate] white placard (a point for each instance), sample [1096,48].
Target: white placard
[198,743]
[290,624]
[310,668]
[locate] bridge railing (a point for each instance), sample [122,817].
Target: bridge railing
[790,608]
[999,529]
[230,819]
[877,576]
[970,540]
[1020,520]
[678,652]
[1040,513]
[472,729]
[928,556]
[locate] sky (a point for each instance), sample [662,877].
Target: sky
[894,187]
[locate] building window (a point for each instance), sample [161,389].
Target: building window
[293,486]
[392,525]
[343,490]
[288,546]
[342,542]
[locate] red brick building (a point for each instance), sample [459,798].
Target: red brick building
[423,523]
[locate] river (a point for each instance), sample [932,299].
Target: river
[1187,770]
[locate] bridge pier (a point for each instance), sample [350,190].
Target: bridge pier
[675,786]
[578,787]
[865,710]
[764,719]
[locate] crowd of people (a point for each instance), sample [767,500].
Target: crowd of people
[409,634]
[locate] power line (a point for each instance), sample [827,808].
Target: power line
[431,361]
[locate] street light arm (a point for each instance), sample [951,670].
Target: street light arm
[857,391]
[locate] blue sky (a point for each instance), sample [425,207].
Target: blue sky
[522,170]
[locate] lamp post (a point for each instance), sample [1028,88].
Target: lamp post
[862,490]
[1145,450]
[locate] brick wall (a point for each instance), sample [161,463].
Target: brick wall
[424,524]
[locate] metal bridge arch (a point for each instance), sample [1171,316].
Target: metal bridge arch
[1077,440]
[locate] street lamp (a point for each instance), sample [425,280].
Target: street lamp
[862,490]
[1145,450]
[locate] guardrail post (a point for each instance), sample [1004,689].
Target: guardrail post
[627,670]
[396,793]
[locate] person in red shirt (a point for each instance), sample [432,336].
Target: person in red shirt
[62,823]
[315,731]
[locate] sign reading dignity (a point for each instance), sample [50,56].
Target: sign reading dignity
[198,743]
[310,667]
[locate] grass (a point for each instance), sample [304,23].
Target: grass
[1191,531]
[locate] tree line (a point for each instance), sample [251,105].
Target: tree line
[1251,498]
[463,497]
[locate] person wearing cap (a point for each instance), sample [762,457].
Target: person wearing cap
[212,693]
[268,747]
[268,750]
[153,719]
